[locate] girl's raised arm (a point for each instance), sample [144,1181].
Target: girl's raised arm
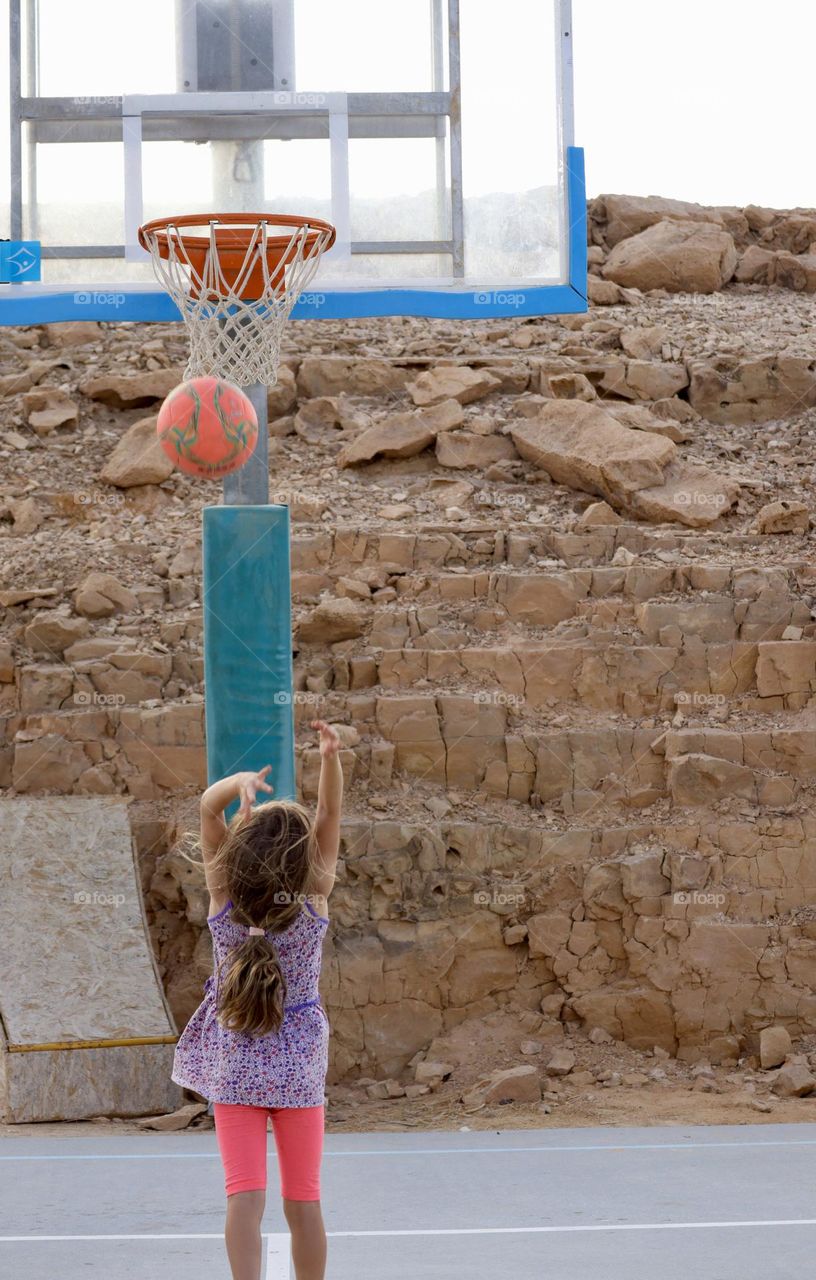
[238,786]
[329,806]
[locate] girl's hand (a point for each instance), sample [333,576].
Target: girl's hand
[329,738]
[249,784]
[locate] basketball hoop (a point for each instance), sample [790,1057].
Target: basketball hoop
[235,278]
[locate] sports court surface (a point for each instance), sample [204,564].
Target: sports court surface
[589,1204]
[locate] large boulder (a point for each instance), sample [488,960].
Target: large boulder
[316,418]
[548,932]
[24,379]
[688,492]
[49,763]
[101,594]
[785,667]
[402,435]
[774,1046]
[796,271]
[72,333]
[43,688]
[561,1063]
[641,418]
[131,390]
[641,1016]
[282,397]
[642,876]
[786,515]
[795,232]
[174,1120]
[795,1080]
[619,217]
[516,1084]
[333,620]
[605,293]
[682,257]
[329,375]
[645,342]
[459,449]
[138,458]
[51,632]
[761,389]
[756,266]
[452,382]
[699,779]
[583,446]
[165,744]
[49,407]
[27,515]
[643,379]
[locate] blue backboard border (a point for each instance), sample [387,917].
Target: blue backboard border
[34,305]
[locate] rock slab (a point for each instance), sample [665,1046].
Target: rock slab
[68,864]
[639,472]
[681,257]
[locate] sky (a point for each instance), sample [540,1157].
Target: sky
[705,100]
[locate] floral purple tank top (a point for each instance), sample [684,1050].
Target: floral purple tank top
[286,1068]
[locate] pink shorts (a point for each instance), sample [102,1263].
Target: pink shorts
[241,1133]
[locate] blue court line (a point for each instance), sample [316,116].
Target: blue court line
[440,1151]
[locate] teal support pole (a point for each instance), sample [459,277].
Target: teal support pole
[248,643]
[250,483]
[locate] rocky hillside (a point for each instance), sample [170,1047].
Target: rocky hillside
[555,581]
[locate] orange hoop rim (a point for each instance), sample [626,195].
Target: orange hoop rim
[244,227]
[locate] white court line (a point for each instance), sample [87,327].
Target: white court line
[433,1151]
[454,1231]
[277,1257]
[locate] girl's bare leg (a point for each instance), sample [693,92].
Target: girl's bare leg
[308,1238]
[243,1233]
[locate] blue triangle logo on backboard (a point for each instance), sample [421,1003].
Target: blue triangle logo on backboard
[19,261]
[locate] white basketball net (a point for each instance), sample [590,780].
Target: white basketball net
[231,337]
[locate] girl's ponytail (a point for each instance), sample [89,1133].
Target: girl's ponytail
[253,989]
[263,864]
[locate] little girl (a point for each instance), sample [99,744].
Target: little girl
[257,1045]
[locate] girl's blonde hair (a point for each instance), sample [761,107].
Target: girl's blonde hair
[263,867]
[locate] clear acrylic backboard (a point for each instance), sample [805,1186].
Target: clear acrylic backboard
[436,135]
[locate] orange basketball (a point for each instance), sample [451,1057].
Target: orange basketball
[208,427]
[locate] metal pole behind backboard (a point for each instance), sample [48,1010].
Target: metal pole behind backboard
[229,46]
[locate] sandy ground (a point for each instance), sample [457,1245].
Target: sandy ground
[615,1107]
